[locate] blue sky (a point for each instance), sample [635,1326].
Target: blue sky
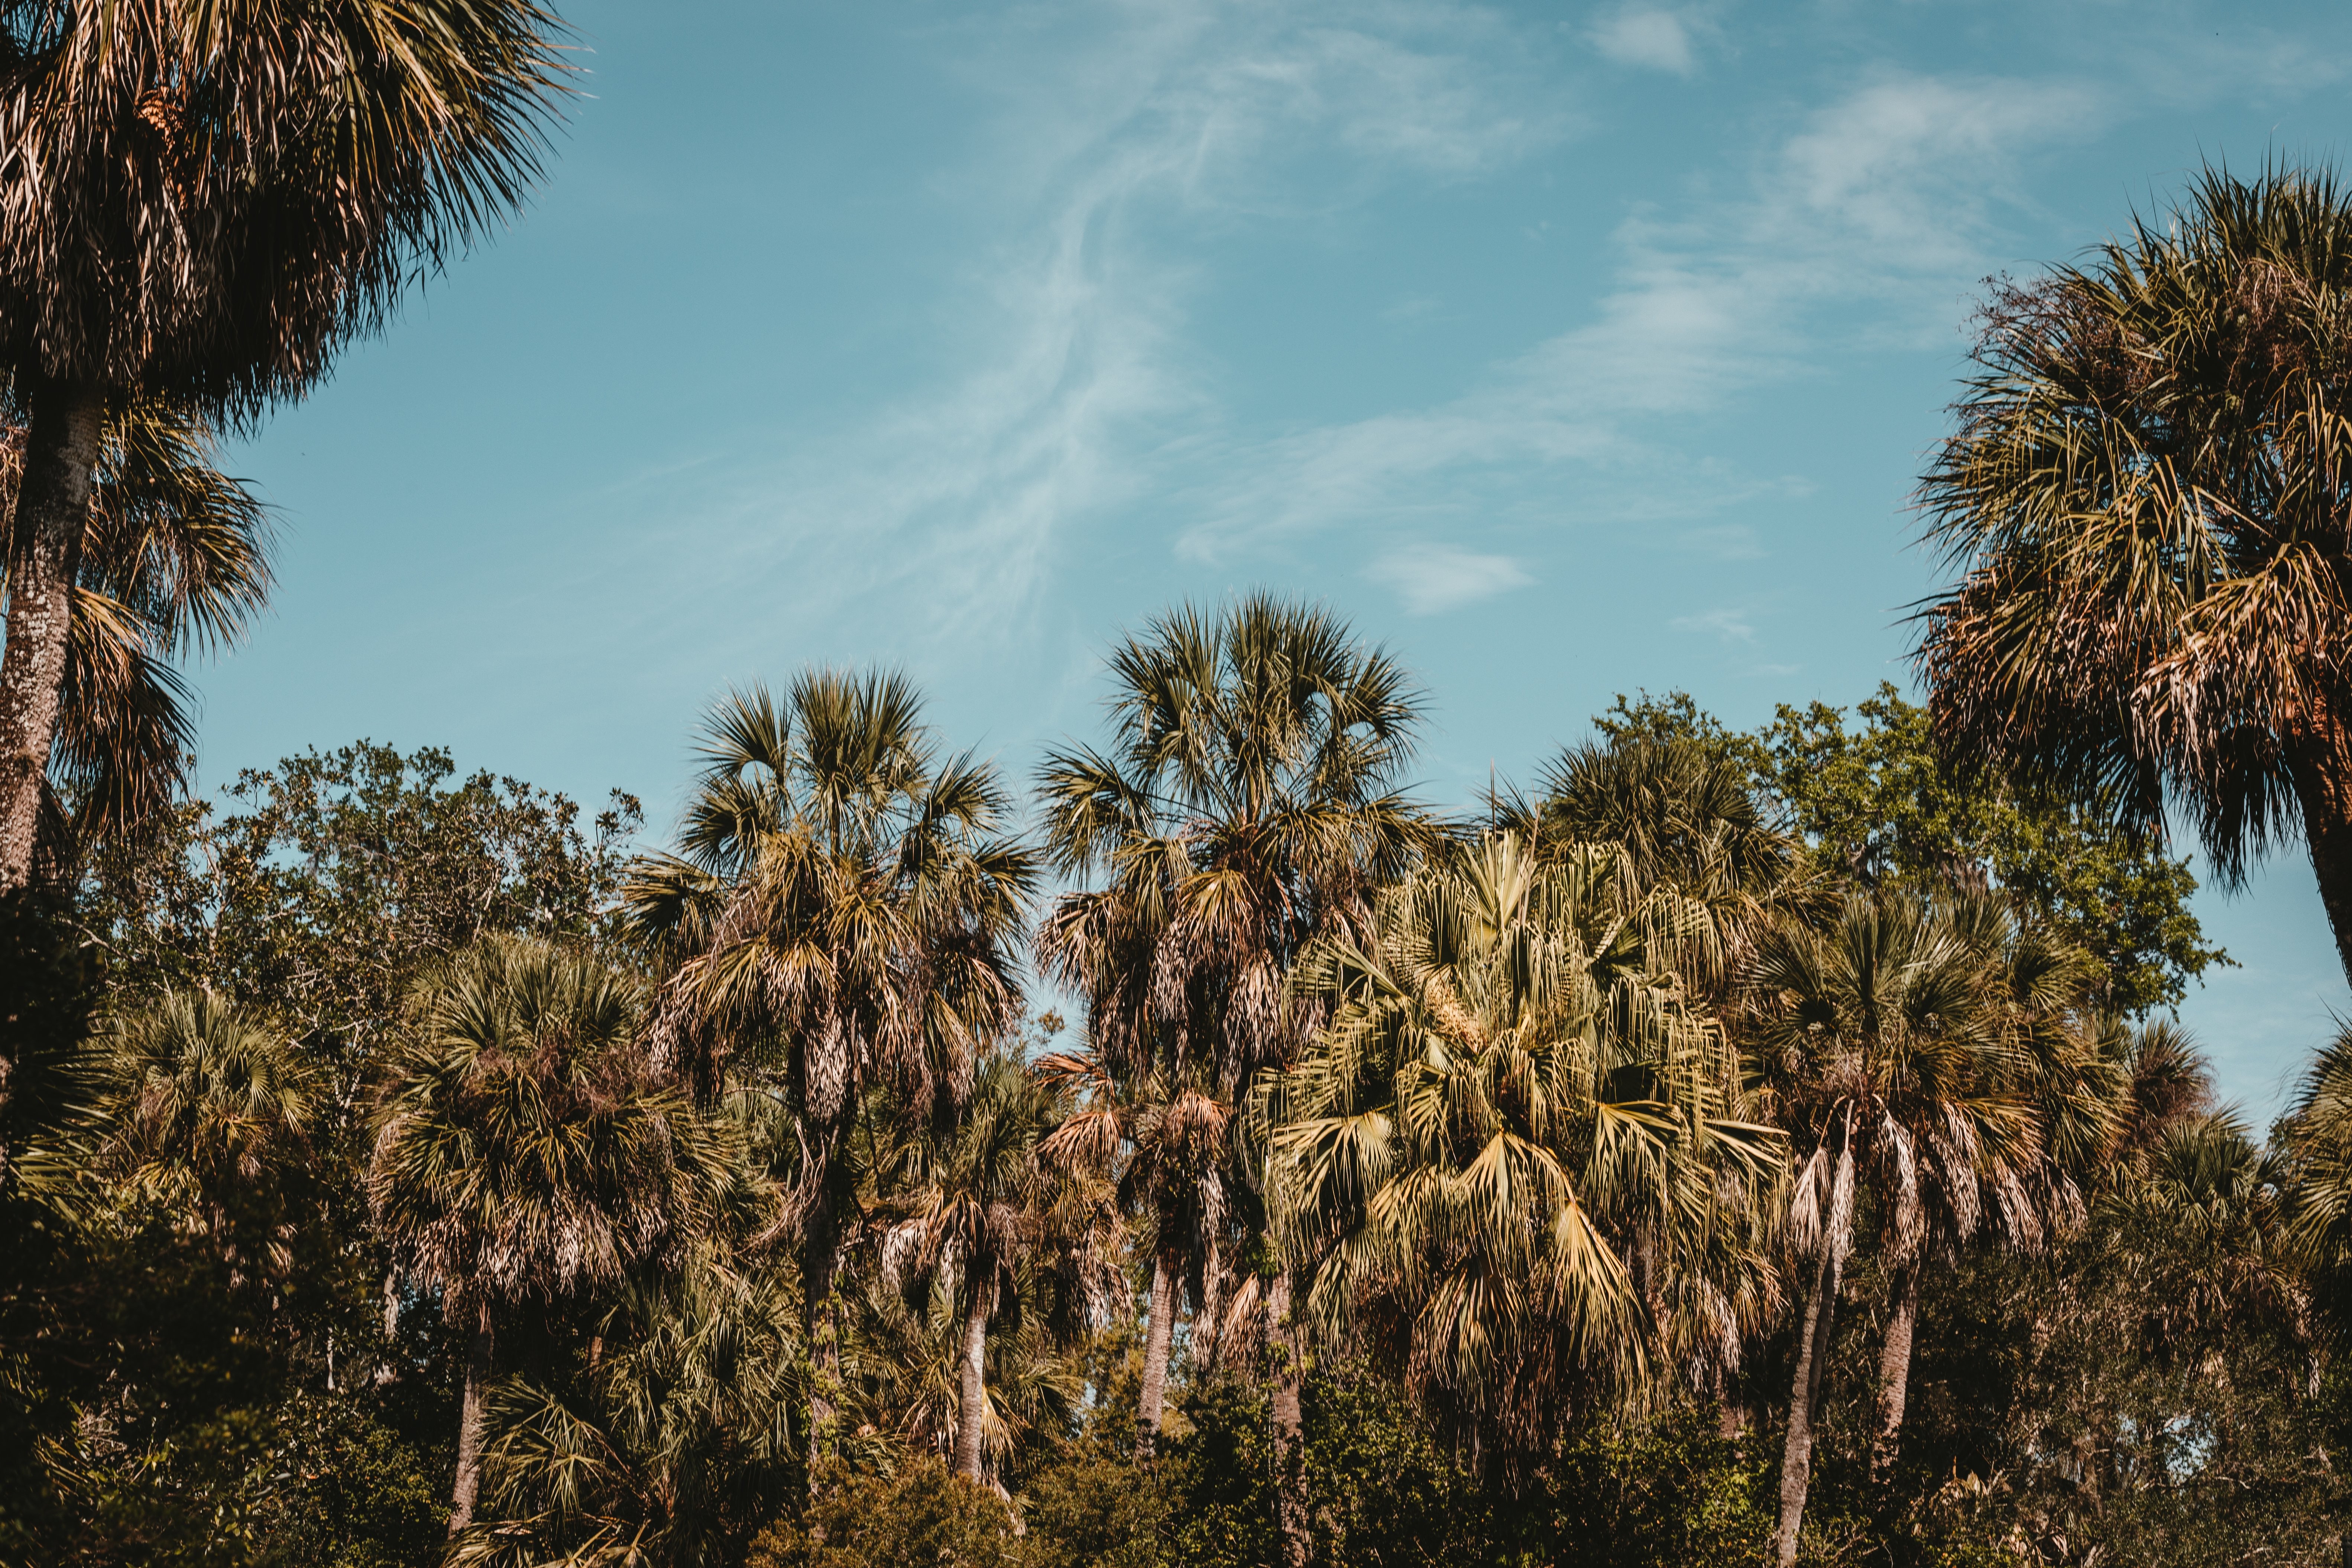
[1569,350]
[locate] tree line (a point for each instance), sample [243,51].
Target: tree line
[1708,1153]
[1726,1147]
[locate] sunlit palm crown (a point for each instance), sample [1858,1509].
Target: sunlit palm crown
[1934,1053]
[1249,799]
[1689,818]
[520,1153]
[2150,496]
[843,894]
[207,196]
[174,563]
[1515,1154]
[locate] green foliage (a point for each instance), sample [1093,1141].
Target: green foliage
[1878,804]
[343,876]
[917,1513]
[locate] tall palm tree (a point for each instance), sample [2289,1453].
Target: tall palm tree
[174,560]
[1164,1149]
[1515,1155]
[1888,1058]
[2146,497]
[205,201]
[521,1155]
[966,1207]
[842,917]
[1249,802]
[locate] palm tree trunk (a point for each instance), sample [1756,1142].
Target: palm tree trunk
[61,450]
[1289,1452]
[1158,1335]
[971,1394]
[820,1265]
[470,1425]
[1813,1358]
[1894,1371]
[2322,772]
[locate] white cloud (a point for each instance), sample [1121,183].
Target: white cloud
[1433,578]
[1726,626]
[1658,39]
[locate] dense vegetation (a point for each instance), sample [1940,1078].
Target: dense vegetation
[1728,1148]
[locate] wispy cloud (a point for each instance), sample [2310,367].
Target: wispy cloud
[1433,578]
[1078,388]
[1726,626]
[1858,229]
[1641,36]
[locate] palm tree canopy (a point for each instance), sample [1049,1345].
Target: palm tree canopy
[1925,1050]
[206,1116]
[2149,500]
[209,198]
[1251,798]
[841,890]
[521,1153]
[1514,1142]
[2319,1141]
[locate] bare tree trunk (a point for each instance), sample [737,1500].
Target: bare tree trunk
[61,450]
[1894,1371]
[2322,771]
[1289,1451]
[971,1394]
[1158,1333]
[1813,1358]
[469,1427]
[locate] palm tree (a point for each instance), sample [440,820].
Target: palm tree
[1164,1148]
[843,915]
[2145,497]
[1514,1161]
[2319,1143]
[668,1453]
[1888,1056]
[2080,1080]
[205,205]
[1248,803]
[523,1155]
[174,559]
[206,1115]
[968,1203]
[1689,818]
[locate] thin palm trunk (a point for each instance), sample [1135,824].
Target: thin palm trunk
[2322,787]
[972,1398]
[1894,1371]
[1289,1454]
[469,1427]
[61,449]
[1158,1334]
[1812,1359]
[820,1264]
